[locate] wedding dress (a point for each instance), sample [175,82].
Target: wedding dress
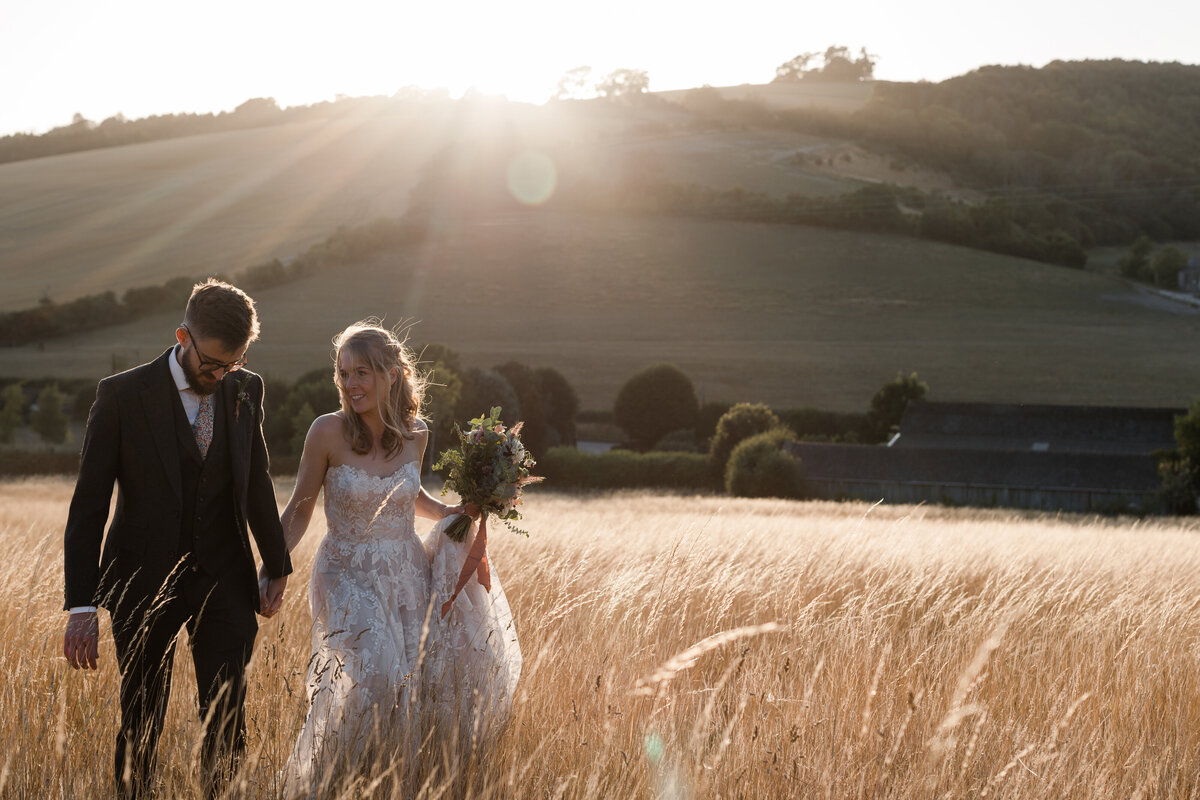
[384,664]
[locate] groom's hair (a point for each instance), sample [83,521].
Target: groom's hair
[218,310]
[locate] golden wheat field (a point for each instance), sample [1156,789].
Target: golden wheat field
[705,647]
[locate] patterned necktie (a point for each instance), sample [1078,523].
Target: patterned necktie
[202,428]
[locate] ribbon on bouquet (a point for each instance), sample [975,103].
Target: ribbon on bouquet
[476,563]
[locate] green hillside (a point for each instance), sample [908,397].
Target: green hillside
[784,314]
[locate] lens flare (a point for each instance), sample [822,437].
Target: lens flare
[654,748]
[532,177]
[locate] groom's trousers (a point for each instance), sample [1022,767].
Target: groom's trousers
[221,627]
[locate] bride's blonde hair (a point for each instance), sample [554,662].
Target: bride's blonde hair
[398,399]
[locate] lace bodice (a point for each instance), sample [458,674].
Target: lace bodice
[361,508]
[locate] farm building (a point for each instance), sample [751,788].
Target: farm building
[1074,458]
[1189,276]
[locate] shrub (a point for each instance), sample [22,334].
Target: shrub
[481,390]
[12,411]
[707,418]
[888,404]
[48,418]
[758,467]
[655,401]
[739,423]
[813,424]
[568,468]
[680,441]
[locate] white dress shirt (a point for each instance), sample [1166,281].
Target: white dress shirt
[191,407]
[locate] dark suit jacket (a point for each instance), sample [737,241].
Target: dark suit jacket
[131,442]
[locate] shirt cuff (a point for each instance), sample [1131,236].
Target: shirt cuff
[83,610]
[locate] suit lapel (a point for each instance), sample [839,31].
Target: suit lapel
[158,398]
[236,439]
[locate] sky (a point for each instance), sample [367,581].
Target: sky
[143,57]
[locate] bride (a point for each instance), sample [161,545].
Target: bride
[386,668]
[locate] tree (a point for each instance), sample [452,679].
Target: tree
[1180,472]
[793,69]
[735,426]
[888,404]
[533,409]
[1135,263]
[48,419]
[655,401]
[302,420]
[12,411]
[562,404]
[483,389]
[442,392]
[573,84]
[623,83]
[837,64]
[759,467]
[1165,266]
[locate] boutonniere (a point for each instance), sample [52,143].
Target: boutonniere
[242,396]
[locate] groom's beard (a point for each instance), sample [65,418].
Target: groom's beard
[201,383]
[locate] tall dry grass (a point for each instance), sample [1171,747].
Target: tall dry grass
[707,647]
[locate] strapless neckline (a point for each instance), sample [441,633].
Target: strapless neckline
[364,473]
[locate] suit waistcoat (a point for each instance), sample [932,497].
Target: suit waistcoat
[208,529]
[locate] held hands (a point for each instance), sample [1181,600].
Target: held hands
[270,593]
[81,642]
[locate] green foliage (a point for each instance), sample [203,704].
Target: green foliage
[568,468]
[623,83]
[442,394]
[736,425]
[758,467]
[1165,266]
[346,245]
[488,468]
[12,411]
[706,420]
[1136,263]
[1187,445]
[837,65]
[290,409]
[1177,490]
[813,424]
[48,420]
[483,389]
[524,382]
[302,420]
[655,401]
[561,404]
[681,441]
[888,404]
[1111,142]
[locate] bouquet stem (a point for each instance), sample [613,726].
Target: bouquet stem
[457,530]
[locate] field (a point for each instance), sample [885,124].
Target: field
[786,315]
[133,216]
[710,647]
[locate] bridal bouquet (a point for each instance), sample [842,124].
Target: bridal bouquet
[489,468]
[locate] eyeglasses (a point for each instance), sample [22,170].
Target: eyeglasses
[210,364]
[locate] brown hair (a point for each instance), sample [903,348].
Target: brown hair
[399,401]
[218,310]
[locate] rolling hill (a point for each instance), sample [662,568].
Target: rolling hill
[752,311]
[782,314]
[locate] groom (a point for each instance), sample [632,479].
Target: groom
[181,437]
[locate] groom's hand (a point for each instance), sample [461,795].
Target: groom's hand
[81,642]
[270,594]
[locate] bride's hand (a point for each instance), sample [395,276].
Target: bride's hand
[470,509]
